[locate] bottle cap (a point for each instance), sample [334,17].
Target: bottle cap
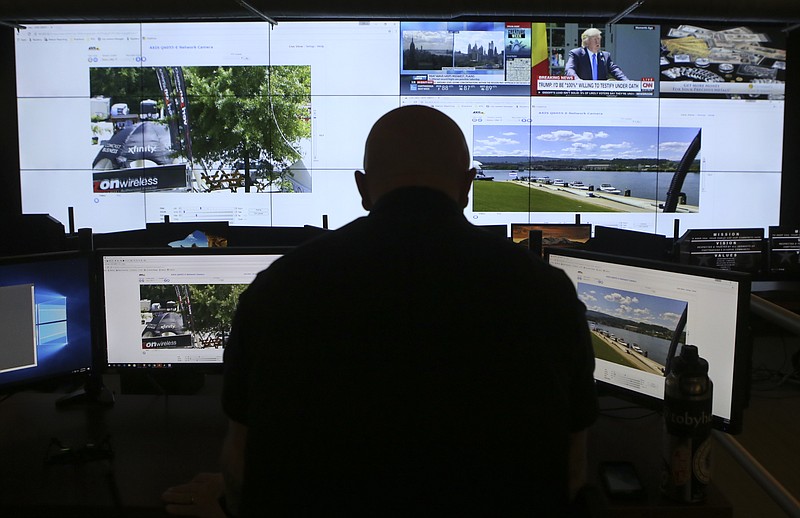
[689,363]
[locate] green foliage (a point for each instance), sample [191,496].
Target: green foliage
[160,293]
[259,112]
[129,85]
[213,305]
[256,112]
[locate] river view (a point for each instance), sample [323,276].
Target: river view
[648,185]
[657,348]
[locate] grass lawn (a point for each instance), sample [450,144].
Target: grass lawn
[509,197]
[603,351]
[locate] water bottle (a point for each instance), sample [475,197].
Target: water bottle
[687,428]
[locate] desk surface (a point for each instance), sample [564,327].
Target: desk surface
[633,434]
[159,441]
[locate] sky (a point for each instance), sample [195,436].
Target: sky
[501,141]
[428,40]
[605,142]
[445,41]
[480,39]
[440,35]
[634,306]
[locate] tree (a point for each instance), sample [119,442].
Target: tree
[254,113]
[160,293]
[129,85]
[213,305]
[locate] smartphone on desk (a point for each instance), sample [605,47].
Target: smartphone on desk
[620,480]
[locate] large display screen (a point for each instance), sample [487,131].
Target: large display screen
[640,311]
[263,125]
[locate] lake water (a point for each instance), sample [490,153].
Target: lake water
[648,185]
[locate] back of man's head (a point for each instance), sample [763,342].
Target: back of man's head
[415,146]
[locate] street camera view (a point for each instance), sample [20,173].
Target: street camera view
[201,129]
[179,316]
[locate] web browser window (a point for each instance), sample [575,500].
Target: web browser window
[264,126]
[164,311]
[637,313]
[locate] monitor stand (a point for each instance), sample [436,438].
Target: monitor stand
[161,382]
[94,393]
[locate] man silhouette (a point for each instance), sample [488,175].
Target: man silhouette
[408,361]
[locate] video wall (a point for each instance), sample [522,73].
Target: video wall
[261,125]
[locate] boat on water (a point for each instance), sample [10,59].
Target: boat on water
[609,189]
[558,182]
[577,184]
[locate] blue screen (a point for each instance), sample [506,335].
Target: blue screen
[47,313]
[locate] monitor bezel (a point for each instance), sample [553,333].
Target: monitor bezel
[740,386]
[202,368]
[51,380]
[624,241]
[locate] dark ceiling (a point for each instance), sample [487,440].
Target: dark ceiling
[784,12]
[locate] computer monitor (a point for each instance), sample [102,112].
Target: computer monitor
[640,310]
[784,250]
[46,317]
[173,308]
[537,236]
[622,241]
[498,230]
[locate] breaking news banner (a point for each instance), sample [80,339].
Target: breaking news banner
[159,178]
[567,85]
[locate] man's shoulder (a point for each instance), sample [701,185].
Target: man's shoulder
[322,248]
[364,247]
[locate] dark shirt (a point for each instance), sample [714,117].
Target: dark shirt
[408,361]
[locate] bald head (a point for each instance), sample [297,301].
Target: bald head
[415,146]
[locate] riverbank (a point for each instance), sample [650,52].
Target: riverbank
[615,202]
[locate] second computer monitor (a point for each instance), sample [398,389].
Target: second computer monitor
[640,311]
[170,308]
